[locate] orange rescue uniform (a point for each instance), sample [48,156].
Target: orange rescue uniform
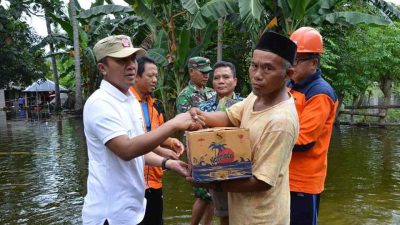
[316,104]
[152,174]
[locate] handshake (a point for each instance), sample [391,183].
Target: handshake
[192,120]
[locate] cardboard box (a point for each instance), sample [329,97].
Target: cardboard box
[221,153]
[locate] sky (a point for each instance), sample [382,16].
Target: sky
[85,4]
[40,26]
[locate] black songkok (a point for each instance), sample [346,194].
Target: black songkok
[278,44]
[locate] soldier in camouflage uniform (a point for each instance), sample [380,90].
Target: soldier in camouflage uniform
[191,96]
[196,91]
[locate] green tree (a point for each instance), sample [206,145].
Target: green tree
[359,57]
[50,7]
[20,62]
[171,40]
[75,34]
[94,24]
[286,15]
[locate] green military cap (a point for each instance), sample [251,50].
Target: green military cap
[200,63]
[117,46]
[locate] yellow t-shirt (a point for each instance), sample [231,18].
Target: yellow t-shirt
[273,133]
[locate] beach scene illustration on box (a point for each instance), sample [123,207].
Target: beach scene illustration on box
[219,154]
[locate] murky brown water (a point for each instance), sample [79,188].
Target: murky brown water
[43,169]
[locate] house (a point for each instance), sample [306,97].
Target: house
[39,92]
[9,96]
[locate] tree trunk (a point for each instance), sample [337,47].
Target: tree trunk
[352,111]
[386,87]
[360,100]
[220,35]
[53,65]
[78,89]
[337,118]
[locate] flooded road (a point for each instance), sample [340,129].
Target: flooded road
[43,171]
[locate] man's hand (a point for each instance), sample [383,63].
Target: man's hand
[168,153]
[185,121]
[177,146]
[178,166]
[198,118]
[197,115]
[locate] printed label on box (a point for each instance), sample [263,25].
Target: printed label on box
[219,154]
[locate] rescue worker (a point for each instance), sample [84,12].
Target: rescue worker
[316,104]
[143,88]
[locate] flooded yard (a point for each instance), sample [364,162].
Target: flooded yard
[43,171]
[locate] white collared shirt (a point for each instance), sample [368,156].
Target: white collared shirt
[115,188]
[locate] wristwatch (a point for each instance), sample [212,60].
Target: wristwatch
[164,164]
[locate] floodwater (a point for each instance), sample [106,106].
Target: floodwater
[43,170]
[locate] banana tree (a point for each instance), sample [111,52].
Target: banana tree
[94,25]
[386,8]
[288,15]
[215,10]
[171,40]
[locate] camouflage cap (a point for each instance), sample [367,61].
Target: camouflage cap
[200,63]
[117,46]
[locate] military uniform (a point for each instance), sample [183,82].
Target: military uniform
[215,104]
[191,96]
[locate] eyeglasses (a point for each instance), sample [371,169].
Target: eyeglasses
[299,60]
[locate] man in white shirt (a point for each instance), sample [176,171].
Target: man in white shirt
[118,148]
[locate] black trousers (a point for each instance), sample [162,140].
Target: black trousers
[154,207]
[304,208]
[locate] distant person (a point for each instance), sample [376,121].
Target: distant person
[143,87]
[269,112]
[224,82]
[316,104]
[191,96]
[21,102]
[118,146]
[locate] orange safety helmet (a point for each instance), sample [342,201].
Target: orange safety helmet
[308,40]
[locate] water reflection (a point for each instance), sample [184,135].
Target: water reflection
[43,171]
[39,172]
[363,177]
[22,114]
